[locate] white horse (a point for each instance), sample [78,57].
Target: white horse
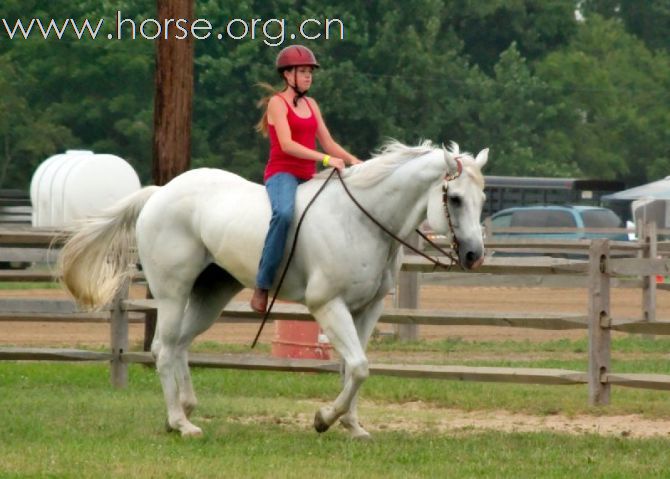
[200,238]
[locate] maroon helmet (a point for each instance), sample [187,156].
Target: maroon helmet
[295,55]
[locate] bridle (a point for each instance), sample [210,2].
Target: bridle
[445,200]
[453,258]
[453,254]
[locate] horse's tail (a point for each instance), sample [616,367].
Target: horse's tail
[96,259]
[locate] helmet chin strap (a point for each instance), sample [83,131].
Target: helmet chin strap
[298,93]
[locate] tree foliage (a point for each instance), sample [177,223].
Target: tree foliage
[649,20]
[548,93]
[618,94]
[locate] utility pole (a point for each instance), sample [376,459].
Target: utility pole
[173,100]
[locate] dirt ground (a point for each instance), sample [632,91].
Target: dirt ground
[625,303]
[417,417]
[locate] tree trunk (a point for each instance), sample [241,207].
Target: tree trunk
[173,107]
[173,100]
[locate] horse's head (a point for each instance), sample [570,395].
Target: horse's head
[455,204]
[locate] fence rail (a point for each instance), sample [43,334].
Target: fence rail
[635,263]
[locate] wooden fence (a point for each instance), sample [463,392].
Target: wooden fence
[15,207]
[605,264]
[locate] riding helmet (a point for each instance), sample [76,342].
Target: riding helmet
[295,55]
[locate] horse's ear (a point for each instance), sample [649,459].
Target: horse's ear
[482,158]
[450,159]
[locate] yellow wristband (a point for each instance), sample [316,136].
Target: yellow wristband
[326,160]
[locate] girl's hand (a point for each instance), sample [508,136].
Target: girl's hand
[336,163]
[354,161]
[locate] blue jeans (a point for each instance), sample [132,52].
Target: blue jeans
[281,188]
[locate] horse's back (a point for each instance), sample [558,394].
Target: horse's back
[201,180]
[185,195]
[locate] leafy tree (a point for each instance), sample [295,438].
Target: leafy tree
[25,135]
[518,117]
[649,20]
[618,91]
[488,27]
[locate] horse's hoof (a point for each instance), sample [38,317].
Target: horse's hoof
[320,423]
[355,429]
[361,435]
[192,431]
[186,431]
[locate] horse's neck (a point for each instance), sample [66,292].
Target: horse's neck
[400,201]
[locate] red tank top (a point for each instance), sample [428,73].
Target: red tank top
[303,131]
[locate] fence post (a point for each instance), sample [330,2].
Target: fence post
[599,317]
[119,337]
[649,251]
[407,296]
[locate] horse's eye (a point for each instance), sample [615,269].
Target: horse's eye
[455,201]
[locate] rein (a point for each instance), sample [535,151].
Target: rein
[436,262]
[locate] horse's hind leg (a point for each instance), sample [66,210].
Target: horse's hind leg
[336,321]
[213,289]
[171,276]
[166,348]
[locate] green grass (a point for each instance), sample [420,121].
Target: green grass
[228,348]
[64,420]
[628,343]
[633,344]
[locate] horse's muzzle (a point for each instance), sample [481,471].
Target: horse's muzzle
[473,259]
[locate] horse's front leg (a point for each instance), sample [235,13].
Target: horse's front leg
[336,321]
[365,321]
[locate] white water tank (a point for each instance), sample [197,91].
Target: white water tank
[78,183]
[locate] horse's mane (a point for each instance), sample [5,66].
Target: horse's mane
[393,154]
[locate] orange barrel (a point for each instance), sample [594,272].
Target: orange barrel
[300,339]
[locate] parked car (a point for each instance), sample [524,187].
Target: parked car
[558,217]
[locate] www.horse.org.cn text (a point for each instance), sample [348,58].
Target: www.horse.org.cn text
[273,32]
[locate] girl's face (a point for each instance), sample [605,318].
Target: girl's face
[303,75]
